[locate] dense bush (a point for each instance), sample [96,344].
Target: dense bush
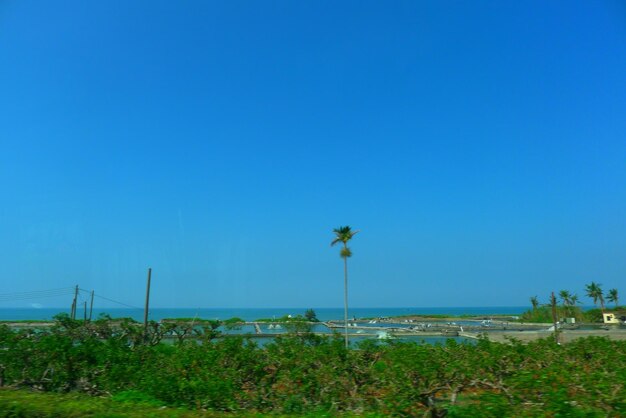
[304,373]
[543,314]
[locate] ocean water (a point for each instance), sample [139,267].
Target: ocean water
[251,314]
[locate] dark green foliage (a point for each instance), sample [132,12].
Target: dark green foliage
[307,374]
[543,314]
[310,315]
[234,321]
[593,315]
[298,325]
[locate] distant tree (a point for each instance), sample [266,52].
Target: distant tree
[297,325]
[535,302]
[566,301]
[233,323]
[565,296]
[613,297]
[310,315]
[594,291]
[572,309]
[344,234]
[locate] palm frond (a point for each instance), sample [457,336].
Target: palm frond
[343,234]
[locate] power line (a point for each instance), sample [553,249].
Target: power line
[36,291]
[48,293]
[35,294]
[111,300]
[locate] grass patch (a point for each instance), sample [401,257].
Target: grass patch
[28,404]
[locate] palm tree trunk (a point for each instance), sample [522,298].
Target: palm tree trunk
[345,297]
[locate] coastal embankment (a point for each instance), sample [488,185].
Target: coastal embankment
[500,331]
[565,336]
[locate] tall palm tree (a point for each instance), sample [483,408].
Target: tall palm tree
[344,234]
[535,302]
[613,297]
[594,291]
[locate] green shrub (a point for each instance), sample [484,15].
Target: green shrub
[304,373]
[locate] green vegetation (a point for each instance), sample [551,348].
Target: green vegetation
[294,324]
[543,314]
[569,302]
[22,403]
[130,404]
[233,323]
[310,315]
[124,371]
[595,315]
[613,296]
[284,318]
[281,319]
[569,306]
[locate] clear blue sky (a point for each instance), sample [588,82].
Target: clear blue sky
[479,146]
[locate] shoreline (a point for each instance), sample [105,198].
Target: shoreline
[473,328]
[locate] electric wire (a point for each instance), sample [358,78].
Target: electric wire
[111,300]
[35,294]
[48,293]
[37,291]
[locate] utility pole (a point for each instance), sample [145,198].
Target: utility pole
[85,312]
[145,312]
[556,331]
[73,314]
[91,306]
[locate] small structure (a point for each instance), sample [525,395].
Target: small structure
[570,320]
[610,318]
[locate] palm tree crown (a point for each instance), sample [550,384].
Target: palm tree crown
[343,234]
[594,291]
[535,302]
[566,297]
[613,297]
